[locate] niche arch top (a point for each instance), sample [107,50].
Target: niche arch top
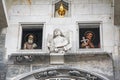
[54,73]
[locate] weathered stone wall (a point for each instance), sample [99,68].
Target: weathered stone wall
[2,46]
[42,11]
[99,64]
[116,12]
[3,19]
[3,67]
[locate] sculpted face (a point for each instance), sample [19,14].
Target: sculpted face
[57,32]
[30,39]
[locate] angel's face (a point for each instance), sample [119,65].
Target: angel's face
[57,33]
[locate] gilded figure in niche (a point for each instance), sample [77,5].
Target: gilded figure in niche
[61,9]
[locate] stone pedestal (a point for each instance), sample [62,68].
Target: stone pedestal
[56,58]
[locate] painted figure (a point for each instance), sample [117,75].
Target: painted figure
[87,40]
[30,43]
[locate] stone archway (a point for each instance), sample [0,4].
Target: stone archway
[60,73]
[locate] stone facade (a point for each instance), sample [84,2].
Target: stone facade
[102,62]
[3,67]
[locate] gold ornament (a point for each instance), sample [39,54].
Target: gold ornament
[61,10]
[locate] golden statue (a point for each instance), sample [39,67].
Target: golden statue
[61,10]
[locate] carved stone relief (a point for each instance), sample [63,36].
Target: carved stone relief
[64,73]
[59,42]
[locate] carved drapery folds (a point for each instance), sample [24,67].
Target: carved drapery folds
[59,42]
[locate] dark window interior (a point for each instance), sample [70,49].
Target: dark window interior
[37,32]
[92,28]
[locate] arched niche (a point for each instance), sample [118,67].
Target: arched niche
[60,73]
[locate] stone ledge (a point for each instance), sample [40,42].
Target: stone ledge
[89,56]
[68,53]
[44,58]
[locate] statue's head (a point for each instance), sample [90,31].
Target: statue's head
[30,38]
[57,32]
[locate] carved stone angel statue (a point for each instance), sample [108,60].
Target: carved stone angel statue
[59,43]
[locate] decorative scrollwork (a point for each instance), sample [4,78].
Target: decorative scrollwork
[52,73]
[91,77]
[21,58]
[45,74]
[74,73]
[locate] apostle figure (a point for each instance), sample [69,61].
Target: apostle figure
[30,43]
[87,40]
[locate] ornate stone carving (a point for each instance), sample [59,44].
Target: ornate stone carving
[3,71]
[91,77]
[52,73]
[73,74]
[59,42]
[45,74]
[24,58]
